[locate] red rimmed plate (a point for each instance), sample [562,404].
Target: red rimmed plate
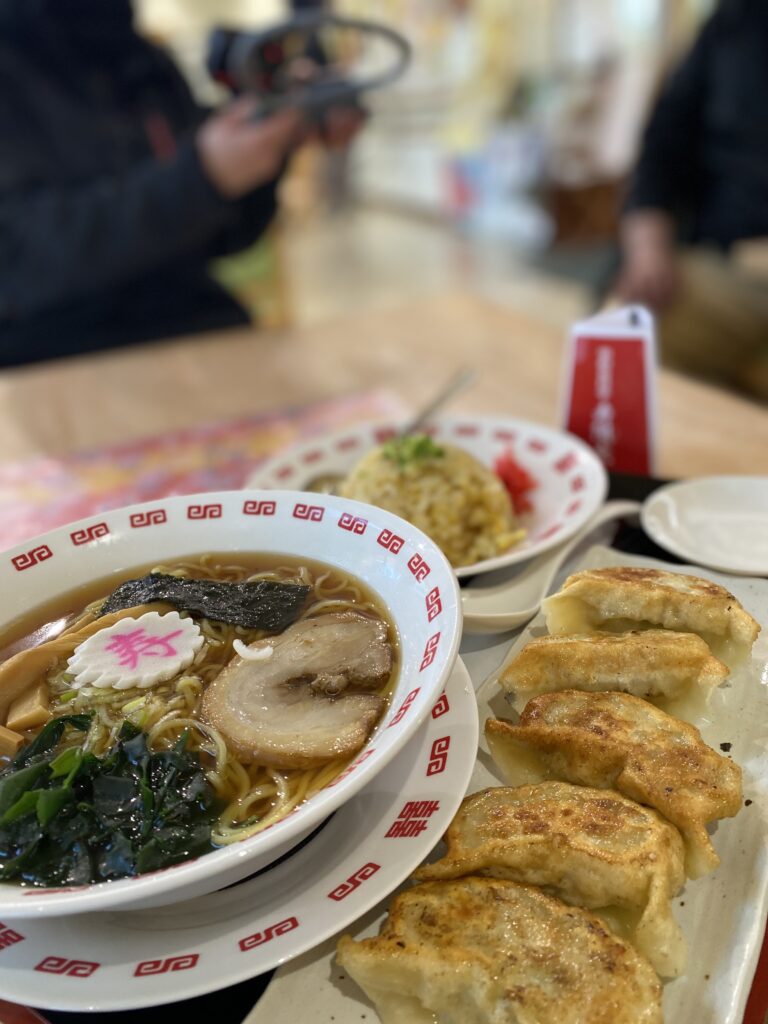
[132,959]
[571,479]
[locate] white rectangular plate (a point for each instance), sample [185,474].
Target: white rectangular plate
[723,916]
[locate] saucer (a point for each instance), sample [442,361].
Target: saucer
[719,521]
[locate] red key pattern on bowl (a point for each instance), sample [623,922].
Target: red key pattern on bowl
[89,533]
[259,508]
[204,511]
[348,886]
[438,756]
[442,706]
[185,962]
[353,524]
[9,936]
[30,558]
[154,517]
[63,965]
[273,931]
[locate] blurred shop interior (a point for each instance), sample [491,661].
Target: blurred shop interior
[500,159]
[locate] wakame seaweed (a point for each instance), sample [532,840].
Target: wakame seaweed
[71,818]
[260,604]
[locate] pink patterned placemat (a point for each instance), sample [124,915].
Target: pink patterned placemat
[42,493]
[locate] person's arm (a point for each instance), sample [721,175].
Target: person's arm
[59,242]
[664,182]
[667,169]
[649,273]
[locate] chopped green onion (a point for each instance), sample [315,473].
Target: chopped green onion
[132,705]
[412,448]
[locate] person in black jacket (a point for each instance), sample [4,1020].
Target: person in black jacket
[701,182]
[116,187]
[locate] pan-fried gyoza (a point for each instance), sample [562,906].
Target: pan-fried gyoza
[625,598]
[592,848]
[617,741]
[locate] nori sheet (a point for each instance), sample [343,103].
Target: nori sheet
[261,604]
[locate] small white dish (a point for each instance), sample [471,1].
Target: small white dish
[399,563]
[718,521]
[132,959]
[572,482]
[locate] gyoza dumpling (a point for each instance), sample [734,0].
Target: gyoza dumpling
[616,741]
[620,599]
[487,951]
[647,663]
[591,847]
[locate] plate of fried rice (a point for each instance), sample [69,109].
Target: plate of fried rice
[490,491]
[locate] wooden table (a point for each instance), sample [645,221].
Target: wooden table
[92,401]
[116,396]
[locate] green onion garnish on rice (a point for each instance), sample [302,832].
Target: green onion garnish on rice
[412,448]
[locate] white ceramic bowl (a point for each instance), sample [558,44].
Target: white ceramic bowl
[397,561]
[571,480]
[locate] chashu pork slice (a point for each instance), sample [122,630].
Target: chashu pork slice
[287,702]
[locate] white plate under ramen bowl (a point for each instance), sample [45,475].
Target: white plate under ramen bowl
[571,480]
[398,562]
[717,521]
[130,959]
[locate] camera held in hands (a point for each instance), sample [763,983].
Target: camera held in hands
[313,61]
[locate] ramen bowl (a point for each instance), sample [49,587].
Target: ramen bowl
[404,570]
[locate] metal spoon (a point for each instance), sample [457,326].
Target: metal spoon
[328,483]
[460,380]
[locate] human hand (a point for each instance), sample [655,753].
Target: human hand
[335,126]
[650,274]
[340,125]
[239,153]
[651,279]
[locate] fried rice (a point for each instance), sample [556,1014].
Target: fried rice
[456,500]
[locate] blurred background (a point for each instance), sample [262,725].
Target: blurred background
[499,161]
